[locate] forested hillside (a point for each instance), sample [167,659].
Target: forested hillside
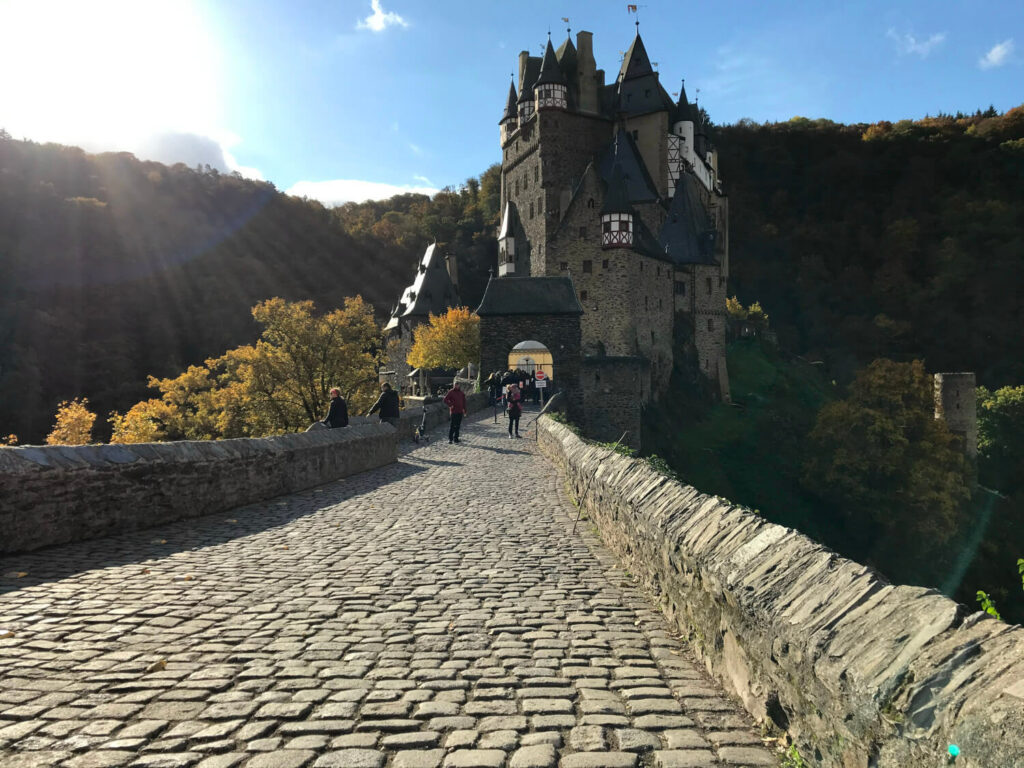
[896,240]
[112,269]
[900,240]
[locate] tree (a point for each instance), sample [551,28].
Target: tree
[882,459]
[73,424]
[1001,438]
[450,340]
[280,384]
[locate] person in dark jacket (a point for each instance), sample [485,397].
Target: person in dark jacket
[337,416]
[387,404]
[456,402]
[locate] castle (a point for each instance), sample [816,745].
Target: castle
[616,186]
[614,230]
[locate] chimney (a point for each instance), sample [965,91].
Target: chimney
[524,56]
[586,71]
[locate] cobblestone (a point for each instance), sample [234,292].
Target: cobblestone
[437,611]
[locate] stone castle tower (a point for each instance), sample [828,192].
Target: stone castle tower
[956,402]
[616,185]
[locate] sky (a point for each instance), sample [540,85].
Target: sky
[361,99]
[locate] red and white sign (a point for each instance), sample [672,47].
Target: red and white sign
[540,375]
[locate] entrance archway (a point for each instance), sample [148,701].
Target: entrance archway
[532,356]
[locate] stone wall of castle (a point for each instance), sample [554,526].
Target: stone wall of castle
[956,402]
[614,392]
[859,672]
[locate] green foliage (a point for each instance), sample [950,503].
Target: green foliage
[987,605]
[916,224]
[881,458]
[792,759]
[1001,438]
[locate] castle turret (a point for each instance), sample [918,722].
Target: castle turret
[551,89]
[617,215]
[507,241]
[956,402]
[510,119]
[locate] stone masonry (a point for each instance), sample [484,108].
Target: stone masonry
[418,614]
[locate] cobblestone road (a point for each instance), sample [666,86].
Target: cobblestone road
[436,612]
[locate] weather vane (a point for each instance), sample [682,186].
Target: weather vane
[568,29]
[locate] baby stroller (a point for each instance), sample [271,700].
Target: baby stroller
[420,433]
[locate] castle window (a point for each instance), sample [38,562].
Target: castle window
[563,266]
[583,295]
[540,205]
[588,267]
[531,210]
[607,226]
[709,286]
[659,303]
[590,203]
[645,303]
[583,232]
[659,271]
[526,182]
[711,324]
[641,266]
[652,337]
[680,288]
[604,264]
[536,173]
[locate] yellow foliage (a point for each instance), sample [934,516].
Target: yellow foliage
[450,340]
[735,309]
[73,424]
[280,384]
[145,422]
[9,440]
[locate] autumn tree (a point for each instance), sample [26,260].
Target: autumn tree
[880,458]
[73,423]
[280,384]
[450,340]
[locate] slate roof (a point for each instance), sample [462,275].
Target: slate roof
[509,221]
[640,188]
[529,78]
[635,63]
[567,58]
[616,196]
[686,237]
[550,69]
[529,296]
[683,109]
[431,291]
[510,108]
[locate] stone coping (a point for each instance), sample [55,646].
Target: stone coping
[858,671]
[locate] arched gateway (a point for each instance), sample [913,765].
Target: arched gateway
[543,309]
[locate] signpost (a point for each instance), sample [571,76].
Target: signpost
[541,381]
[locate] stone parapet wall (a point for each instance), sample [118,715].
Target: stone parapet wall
[861,673]
[56,494]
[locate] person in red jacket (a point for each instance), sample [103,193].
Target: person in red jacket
[456,402]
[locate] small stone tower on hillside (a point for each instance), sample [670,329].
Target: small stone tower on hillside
[956,401]
[616,185]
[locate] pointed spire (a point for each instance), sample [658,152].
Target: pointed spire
[550,71]
[684,110]
[616,199]
[510,107]
[636,62]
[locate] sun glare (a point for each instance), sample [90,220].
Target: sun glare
[107,72]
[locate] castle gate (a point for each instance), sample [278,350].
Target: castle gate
[543,309]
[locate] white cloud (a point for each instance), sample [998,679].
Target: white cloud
[380,19]
[338,191]
[998,55]
[908,44]
[416,148]
[192,149]
[423,180]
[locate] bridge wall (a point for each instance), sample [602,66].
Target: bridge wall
[55,494]
[861,673]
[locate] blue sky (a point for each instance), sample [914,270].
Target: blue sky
[348,99]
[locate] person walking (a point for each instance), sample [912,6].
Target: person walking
[456,402]
[337,416]
[387,404]
[514,410]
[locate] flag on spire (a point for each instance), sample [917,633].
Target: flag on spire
[565,19]
[630,9]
